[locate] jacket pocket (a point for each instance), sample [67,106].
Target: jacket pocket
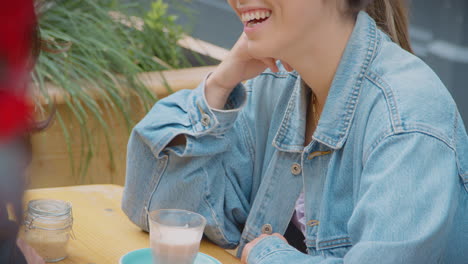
[337,247]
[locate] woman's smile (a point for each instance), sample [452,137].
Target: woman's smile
[254,18]
[277,27]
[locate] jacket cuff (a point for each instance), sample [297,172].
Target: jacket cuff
[207,120]
[265,250]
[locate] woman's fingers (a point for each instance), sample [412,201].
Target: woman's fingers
[248,247]
[271,63]
[245,253]
[287,66]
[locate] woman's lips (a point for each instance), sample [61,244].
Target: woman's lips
[253,18]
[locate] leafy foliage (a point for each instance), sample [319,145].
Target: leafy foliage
[87,51]
[157,20]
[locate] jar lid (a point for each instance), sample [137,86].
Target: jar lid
[49,207]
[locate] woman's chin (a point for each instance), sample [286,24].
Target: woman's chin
[259,50]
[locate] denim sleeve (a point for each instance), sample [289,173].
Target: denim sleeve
[273,250]
[210,175]
[187,112]
[406,201]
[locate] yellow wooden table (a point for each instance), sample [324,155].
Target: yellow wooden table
[103,232]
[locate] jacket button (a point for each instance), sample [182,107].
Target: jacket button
[205,120]
[267,229]
[296,169]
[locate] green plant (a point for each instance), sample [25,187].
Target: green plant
[157,20]
[86,50]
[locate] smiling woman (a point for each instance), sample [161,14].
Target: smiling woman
[341,144]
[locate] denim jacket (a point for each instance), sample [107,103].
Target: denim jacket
[385,177]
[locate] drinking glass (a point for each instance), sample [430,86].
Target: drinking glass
[175,235]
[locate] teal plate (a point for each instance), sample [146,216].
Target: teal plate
[143,256]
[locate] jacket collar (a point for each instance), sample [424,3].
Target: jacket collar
[339,109]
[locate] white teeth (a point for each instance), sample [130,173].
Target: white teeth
[245,17]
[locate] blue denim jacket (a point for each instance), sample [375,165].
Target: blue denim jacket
[385,176]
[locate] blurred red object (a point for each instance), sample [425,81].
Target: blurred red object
[17,36]
[15,113]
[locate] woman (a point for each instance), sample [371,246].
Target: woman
[352,139]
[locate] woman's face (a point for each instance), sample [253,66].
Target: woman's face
[275,27]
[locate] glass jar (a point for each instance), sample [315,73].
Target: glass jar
[47,228]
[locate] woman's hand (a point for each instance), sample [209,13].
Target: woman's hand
[238,66]
[249,246]
[29,253]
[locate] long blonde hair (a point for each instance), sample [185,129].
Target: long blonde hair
[390,15]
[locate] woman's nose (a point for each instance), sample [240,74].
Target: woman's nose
[233,3]
[241,2]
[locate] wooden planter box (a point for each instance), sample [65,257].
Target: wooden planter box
[51,165]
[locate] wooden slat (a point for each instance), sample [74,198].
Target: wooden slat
[177,79]
[203,47]
[103,232]
[155,81]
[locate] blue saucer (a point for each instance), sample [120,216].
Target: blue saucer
[143,256]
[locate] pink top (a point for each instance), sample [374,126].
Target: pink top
[299,215]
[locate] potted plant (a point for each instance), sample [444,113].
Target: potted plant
[103,70]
